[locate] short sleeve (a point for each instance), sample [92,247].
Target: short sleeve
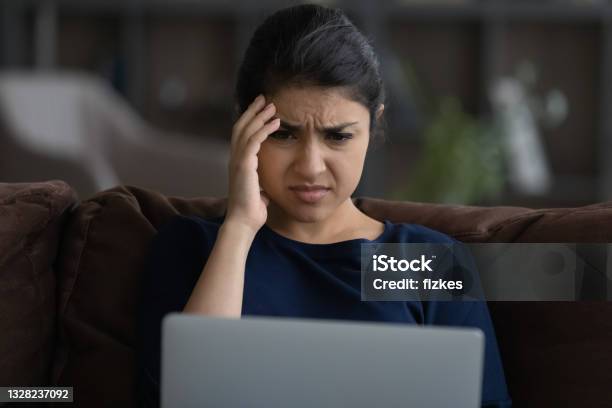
[473,314]
[174,261]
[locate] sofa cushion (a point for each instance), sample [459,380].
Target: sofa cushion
[105,244]
[554,353]
[31,219]
[100,270]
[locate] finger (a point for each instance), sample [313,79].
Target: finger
[258,103]
[250,112]
[255,141]
[257,123]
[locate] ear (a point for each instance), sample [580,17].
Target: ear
[379,112]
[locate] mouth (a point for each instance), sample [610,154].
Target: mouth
[310,194]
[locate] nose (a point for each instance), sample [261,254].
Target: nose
[309,162]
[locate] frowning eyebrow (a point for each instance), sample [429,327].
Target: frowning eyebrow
[336,128]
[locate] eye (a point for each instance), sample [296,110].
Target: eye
[338,137]
[281,135]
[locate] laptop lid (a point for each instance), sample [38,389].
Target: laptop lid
[287,362]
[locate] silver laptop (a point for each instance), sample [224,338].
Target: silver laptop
[288,362]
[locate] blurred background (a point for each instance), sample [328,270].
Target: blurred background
[496,102]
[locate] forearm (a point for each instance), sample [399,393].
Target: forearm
[219,290]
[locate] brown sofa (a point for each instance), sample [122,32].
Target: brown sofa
[70,272]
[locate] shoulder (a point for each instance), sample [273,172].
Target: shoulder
[407,232]
[182,242]
[181,222]
[181,228]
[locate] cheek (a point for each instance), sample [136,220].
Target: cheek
[349,170]
[347,173]
[353,160]
[346,169]
[269,167]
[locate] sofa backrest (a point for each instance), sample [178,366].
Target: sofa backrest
[32,216]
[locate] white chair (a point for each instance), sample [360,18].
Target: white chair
[74,127]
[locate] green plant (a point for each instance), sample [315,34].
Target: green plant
[461,161]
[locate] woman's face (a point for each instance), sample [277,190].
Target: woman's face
[322,140]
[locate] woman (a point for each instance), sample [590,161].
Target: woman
[311,100]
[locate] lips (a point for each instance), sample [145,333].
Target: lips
[310,194]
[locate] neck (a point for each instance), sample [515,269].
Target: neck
[322,230]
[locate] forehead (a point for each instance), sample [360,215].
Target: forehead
[304,104]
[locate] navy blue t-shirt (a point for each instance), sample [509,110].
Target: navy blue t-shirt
[284,277]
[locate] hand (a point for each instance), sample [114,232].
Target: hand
[247,202]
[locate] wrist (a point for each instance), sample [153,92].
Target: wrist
[238,229]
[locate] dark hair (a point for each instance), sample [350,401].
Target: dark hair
[311,45]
